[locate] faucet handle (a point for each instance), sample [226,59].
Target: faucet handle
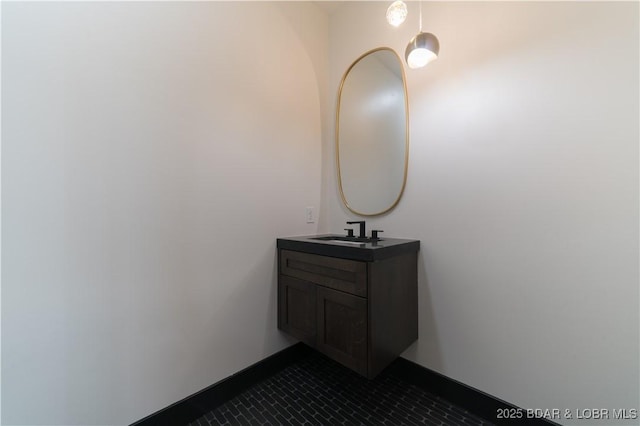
[349,232]
[374,234]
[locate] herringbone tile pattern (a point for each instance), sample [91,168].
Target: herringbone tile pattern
[318,391]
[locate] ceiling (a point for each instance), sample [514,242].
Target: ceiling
[329,6]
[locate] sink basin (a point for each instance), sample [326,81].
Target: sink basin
[345,239]
[355,243]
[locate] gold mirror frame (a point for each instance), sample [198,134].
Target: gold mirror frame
[406,145]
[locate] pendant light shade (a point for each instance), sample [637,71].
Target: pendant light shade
[421,50]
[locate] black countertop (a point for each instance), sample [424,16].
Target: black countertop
[366,251]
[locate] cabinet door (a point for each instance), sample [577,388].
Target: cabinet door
[297,308]
[342,328]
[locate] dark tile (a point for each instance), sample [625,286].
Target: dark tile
[318,391]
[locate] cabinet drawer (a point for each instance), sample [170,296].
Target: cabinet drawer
[345,275]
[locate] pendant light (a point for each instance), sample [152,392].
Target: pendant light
[422,49]
[397,13]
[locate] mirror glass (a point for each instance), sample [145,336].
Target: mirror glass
[372,133]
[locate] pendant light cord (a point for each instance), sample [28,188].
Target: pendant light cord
[420,16]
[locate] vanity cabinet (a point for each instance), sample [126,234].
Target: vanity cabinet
[360,312]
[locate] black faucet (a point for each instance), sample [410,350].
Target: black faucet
[363,233]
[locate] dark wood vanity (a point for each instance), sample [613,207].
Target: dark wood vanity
[355,303]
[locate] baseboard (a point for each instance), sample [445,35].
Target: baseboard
[473,400]
[200,403]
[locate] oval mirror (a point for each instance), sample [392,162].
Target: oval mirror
[372,133]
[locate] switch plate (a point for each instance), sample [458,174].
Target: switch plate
[309,215]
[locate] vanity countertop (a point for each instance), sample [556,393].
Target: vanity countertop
[365,251]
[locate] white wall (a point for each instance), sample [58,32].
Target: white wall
[523,189]
[150,160]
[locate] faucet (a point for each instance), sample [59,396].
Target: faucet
[363,233]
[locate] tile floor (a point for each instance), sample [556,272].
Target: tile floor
[318,391]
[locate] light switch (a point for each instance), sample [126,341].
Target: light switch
[309,215]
